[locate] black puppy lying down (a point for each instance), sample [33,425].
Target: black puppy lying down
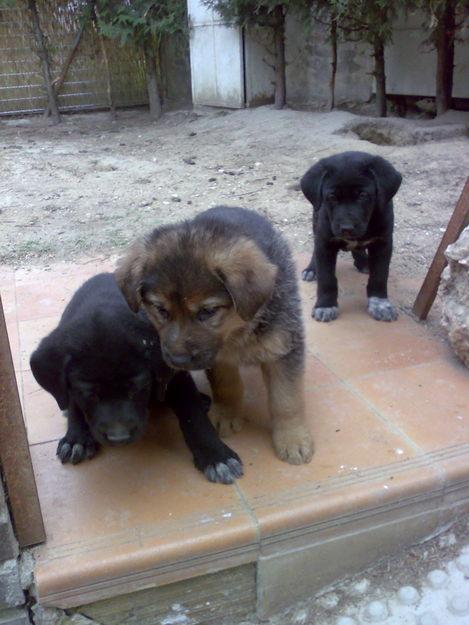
[351,194]
[103,365]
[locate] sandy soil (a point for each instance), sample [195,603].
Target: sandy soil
[88,186]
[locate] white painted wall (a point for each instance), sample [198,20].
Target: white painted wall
[217,66]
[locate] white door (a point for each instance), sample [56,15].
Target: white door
[217,63]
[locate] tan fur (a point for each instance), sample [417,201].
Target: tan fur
[246,273]
[291,437]
[227,390]
[129,273]
[249,277]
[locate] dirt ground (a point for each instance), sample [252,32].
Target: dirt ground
[88,186]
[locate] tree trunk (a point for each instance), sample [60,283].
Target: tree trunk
[43,55]
[279,43]
[59,81]
[152,81]
[380,78]
[333,36]
[110,95]
[444,36]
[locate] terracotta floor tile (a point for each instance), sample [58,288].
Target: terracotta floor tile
[355,344]
[350,441]
[48,294]
[31,333]
[429,402]
[137,508]
[130,509]
[8,294]
[7,276]
[14,341]
[43,418]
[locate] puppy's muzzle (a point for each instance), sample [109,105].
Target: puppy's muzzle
[189,361]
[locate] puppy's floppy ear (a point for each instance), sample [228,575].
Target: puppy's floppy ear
[247,274]
[388,180]
[129,273]
[311,183]
[49,366]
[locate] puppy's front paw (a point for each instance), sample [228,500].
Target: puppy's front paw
[325,314]
[225,419]
[308,274]
[221,465]
[293,446]
[75,449]
[381,309]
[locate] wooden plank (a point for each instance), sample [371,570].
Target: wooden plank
[459,220]
[14,452]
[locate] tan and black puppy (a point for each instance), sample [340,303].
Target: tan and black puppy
[221,290]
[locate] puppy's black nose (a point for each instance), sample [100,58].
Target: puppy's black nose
[181,360]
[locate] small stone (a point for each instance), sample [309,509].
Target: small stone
[175,198]
[427,619]
[189,161]
[300,617]
[192,134]
[408,595]
[463,563]
[269,183]
[437,579]
[212,179]
[376,611]
[459,605]
[329,601]
[359,588]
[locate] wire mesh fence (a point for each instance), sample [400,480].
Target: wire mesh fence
[85,87]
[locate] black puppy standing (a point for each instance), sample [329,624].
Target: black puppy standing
[351,194]
[103,365]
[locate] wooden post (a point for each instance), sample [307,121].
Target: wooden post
[14,452]
[458,221]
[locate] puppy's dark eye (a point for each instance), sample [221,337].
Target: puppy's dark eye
[164,314]
[206,313]
[331,197]
[363,195]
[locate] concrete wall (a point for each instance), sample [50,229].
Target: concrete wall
[176,71]
[309,65]
[411,63]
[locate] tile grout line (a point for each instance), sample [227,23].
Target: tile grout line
[389,424]
[251,513]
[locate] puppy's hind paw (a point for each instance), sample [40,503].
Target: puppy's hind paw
[308,274]
[381,309]
[75,451]
[325,314]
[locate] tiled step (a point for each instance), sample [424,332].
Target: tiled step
[388,406]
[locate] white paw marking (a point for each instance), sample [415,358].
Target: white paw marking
[381,309]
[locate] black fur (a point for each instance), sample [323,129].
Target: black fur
[351,194]
[103,365]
